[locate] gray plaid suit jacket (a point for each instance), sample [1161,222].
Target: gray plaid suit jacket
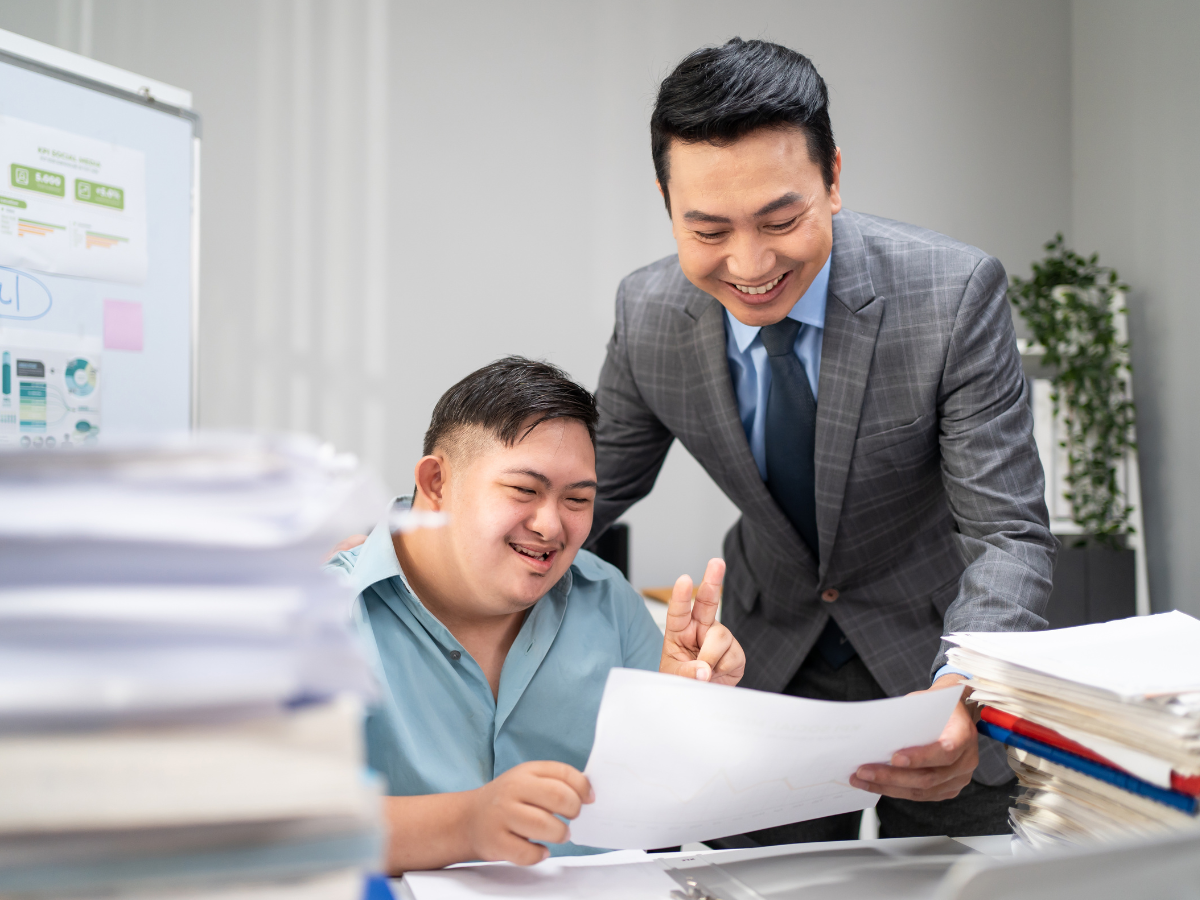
[929,489]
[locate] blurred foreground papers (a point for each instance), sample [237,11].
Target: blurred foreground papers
[676,760]
[180,690]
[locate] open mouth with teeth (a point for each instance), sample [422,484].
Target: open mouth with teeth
[540,559]
[761,293]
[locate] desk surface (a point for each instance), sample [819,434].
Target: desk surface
[891,867]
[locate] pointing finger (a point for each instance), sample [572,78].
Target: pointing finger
[704,610]
[679,610]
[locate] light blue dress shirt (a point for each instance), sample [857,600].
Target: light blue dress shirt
[751,372]
[437,728]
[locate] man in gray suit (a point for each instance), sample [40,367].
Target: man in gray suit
[853,385]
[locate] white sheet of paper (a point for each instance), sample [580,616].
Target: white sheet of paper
[1133,658]
[677,760]
[625,874]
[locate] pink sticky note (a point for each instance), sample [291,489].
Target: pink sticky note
[122,325]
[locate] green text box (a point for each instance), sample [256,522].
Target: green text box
[38,180]
[13,202]
[100,194]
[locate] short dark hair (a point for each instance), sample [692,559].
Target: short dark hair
[501,397]
[720,94]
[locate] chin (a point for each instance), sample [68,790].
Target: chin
[758,316]
[524,590]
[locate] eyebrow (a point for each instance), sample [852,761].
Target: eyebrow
[538,476]
[695,215]
[786,200]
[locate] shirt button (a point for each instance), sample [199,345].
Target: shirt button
[829,595]
[454,654]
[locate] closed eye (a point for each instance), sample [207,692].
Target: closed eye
[784,226]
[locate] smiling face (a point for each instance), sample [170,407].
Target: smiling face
[517,515]
[753,220]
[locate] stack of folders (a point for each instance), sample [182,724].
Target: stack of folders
[1102,724]
[181,693]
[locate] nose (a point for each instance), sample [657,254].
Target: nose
[750,258]
[545,521]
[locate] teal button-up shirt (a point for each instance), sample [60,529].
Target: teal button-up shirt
[437,728]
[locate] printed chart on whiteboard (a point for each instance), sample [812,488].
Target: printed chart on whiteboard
[71,205]
[49,389]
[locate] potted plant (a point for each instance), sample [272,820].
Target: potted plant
[1075,311]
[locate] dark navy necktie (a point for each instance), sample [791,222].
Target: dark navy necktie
[791,431]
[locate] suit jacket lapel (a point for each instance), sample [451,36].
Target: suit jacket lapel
[852,317]
[717,406]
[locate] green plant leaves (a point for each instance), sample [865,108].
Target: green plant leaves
[1071,306]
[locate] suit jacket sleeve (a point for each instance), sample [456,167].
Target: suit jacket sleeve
[991,469]
[631,442]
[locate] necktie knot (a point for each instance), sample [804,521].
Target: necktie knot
[780,338]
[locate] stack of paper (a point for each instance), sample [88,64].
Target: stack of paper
[180,691]
[1102,723]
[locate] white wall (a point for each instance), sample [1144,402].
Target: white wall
[396,193]
[1136,130]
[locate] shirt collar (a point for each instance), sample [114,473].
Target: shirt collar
[809,309]
[377,559]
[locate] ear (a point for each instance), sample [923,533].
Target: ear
[835,189]
[666,202]
[431,476]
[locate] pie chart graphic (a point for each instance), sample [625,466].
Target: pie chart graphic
[81,377]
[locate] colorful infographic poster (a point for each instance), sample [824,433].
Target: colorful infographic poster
[49,389]
[71,205]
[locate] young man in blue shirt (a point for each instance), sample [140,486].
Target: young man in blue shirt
[495,633]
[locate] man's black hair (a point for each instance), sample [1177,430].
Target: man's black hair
[720,94]
[501,398]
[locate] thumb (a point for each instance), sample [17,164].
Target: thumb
[695,668]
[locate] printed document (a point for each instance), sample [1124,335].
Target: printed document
[676,760]
[70,205]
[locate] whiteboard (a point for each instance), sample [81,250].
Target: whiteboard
[98,253]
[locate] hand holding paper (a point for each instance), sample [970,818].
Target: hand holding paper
[521,806]
[935,771]
[676,760]
[696,645]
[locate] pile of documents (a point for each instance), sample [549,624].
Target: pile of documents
[181,693]
[1102,724]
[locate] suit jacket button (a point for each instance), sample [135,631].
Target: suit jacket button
[829,595]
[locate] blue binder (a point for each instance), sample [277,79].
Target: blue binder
[1117,778]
